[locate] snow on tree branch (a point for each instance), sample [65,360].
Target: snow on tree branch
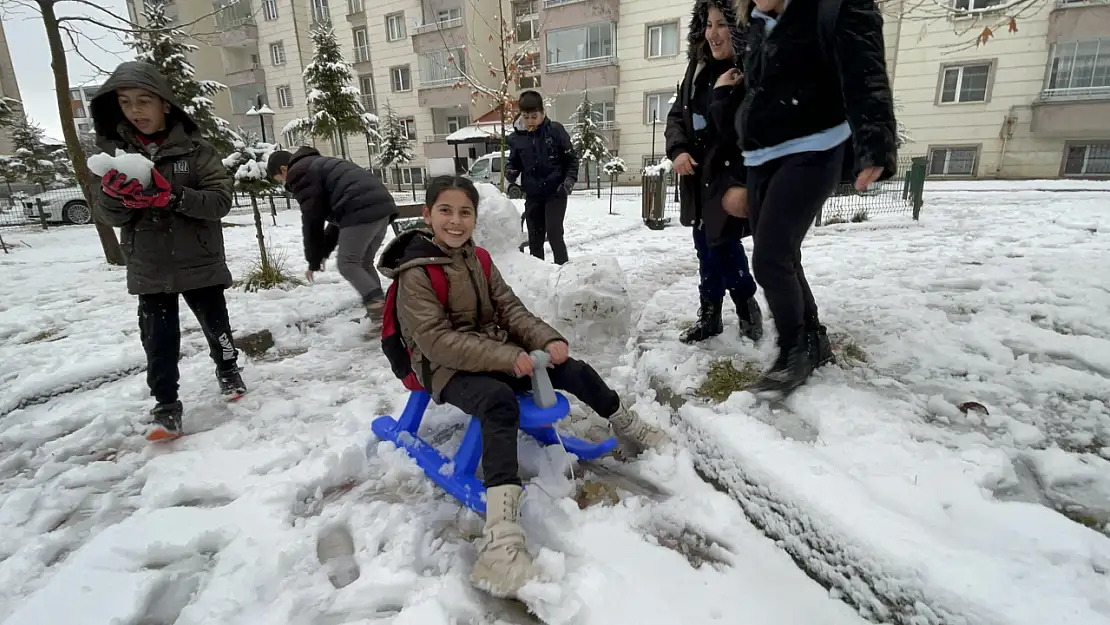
[395,146]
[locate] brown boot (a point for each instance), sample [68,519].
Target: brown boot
[503,565]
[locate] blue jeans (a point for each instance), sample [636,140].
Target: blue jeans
[723,267]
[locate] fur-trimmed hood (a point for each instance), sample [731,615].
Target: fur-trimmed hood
[696,47]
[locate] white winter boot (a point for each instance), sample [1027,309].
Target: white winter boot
[503,565]
[634,433]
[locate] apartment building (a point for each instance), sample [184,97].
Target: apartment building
[1028,104]
[226,36]
[79,99]
[9,86]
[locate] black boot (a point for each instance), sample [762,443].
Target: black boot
[167,421]
[231,384]
[708,324]
[751,318]
[791,368]
[820,348]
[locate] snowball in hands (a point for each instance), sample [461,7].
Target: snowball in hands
[132,165]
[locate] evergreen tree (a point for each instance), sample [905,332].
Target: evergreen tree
[248,168]
[163,46]
[31,160]
[9,109]
[334,106]
[395,146]
[586,140]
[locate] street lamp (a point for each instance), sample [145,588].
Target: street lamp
[261,111]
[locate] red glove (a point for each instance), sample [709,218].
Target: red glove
[159,195]
[116,185]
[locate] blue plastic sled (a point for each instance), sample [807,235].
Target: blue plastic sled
[456,475]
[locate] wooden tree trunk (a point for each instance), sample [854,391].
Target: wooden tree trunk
[113,254]
[264,258]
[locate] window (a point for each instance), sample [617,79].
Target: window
[83,128]
[957,161]
[78,108]
[410,127]
[373,148]
[656,106]
[413,176]
[1090,159]
[366,89]
[528,82]
[395,26]
[354,6]
[362,45]
[974,5]
[1079,68]
[285,97]
[277,53]
[965,83]
[400,78]
[581,45]
[528,75]
[606,112]
[232,15]
[447,15]
[320,11]
[457,122]
[662,40]
[255,63]
[527,20]
[442,67]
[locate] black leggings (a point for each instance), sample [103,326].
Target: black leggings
[784,197]
[492,398]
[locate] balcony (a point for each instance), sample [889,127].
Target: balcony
[447,92]
[1075,21]
[248,76]
[362,55]
[240,33]
[582,75]
[564,13]
[369,103]
[438,35]
[1070,113]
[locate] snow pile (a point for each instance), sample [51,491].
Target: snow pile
[498,228]
[663,168]
[592,303]
[133,165]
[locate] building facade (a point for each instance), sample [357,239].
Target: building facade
[9,87]
[1028,104]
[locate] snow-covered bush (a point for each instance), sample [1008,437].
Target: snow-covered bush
[334,106]
[614,167]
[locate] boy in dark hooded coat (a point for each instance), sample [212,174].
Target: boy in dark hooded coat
[705,153]
[170,231]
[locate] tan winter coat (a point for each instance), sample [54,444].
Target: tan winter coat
[484,326]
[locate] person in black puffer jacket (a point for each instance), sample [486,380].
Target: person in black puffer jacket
[705,153]
[816,104]
[343,206]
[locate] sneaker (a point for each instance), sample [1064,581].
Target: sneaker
[503,565]
[791,369]
[708,324]
[167,421]
[232,387]
[751,318]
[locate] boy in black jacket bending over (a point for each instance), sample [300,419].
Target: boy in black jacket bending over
[354,204]
[540,152]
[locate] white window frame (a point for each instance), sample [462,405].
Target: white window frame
[663,106]
[364,82]
[965,7]
[587,60]
[354,7]
[661,29]
[948,149]
[1068,52]
[448,15]
[1085,165]
[959,70]
[395,26]
[285,96]
[277,53]
[269,10]
[362,48]
[406,175]
[436,70]
[457,122]
[321,12]
[410,127]
[400,78]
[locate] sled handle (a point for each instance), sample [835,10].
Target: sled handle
[543,394]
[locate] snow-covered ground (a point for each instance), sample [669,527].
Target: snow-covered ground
[880,487]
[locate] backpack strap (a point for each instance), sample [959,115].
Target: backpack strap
[484,260]
[439,282]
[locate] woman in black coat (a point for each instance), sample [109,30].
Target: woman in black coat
[816,106]
[703,153]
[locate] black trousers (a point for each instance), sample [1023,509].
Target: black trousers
[784,196]
[160,332]
[545,220]
[491,397]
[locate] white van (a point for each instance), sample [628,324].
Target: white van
[489,168]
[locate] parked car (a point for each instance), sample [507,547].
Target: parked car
[488,168]
[65,206]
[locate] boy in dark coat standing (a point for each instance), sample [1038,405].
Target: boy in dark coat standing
[170,230]
[541,155]
[343,206]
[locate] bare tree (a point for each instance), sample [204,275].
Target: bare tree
[976,22]
[103,20]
